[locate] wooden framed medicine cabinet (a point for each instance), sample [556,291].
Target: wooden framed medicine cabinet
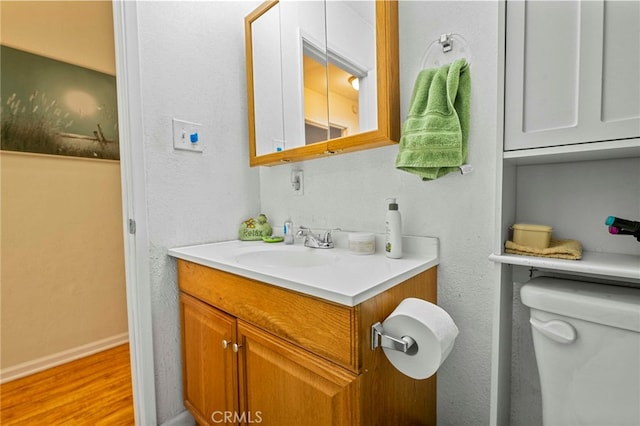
[300,70]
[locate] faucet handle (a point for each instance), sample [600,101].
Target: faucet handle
[327,235]
[303,231]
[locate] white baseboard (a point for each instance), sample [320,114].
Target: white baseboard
[49,361]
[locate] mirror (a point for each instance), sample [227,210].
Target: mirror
[305,61]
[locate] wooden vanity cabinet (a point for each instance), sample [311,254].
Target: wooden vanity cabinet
[262,354]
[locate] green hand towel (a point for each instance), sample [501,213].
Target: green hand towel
[434,136]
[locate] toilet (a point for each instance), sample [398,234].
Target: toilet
[587,345]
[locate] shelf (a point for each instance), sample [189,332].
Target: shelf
[605,265]
[624,148]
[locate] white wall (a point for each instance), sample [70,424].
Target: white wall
[192,68]
[349,191]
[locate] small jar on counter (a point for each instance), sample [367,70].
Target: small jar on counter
[362,243]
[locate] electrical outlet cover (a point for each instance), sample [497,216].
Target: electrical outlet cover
[297,182]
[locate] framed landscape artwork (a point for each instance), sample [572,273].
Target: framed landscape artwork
[53,107]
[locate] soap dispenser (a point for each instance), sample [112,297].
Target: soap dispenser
[393,224]
[288,231]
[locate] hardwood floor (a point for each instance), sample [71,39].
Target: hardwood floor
[95,390]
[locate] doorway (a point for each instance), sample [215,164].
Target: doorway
[63,275]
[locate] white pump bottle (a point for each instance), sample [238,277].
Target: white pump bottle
[393,224]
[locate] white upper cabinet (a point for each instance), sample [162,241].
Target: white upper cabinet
[572,72]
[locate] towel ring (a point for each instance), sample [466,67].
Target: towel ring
[446,49]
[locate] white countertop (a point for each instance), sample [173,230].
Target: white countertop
[349,280]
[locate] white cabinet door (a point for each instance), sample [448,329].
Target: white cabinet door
[572,72]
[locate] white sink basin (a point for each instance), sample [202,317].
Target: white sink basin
[285,257]
[331,274]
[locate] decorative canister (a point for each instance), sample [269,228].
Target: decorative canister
[536,236]
[362,243]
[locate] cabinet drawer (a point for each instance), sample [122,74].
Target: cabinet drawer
[325,328]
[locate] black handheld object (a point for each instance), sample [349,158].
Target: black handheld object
[618,226]
[623,224]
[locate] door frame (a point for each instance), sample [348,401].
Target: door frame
[136,241]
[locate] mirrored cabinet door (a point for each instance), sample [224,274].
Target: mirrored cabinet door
[267,105]
[304,71]
[351,53]
[338,90]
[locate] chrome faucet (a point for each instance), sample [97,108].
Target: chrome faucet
[315,240]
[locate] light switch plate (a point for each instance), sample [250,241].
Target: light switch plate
[187,136]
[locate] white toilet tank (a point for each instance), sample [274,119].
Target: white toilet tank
[587,344]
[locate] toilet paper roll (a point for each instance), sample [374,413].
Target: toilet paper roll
[433,331]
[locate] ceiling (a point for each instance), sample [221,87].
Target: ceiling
[316,79]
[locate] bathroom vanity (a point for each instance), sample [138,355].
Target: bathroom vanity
[262,346]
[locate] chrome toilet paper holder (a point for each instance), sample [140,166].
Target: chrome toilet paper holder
[379,338]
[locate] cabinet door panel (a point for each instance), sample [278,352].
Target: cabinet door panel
[267,83]
[284,385]
[621,61]
[551,65]
[571,72]
[209,370]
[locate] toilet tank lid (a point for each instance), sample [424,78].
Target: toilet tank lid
[610,305]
